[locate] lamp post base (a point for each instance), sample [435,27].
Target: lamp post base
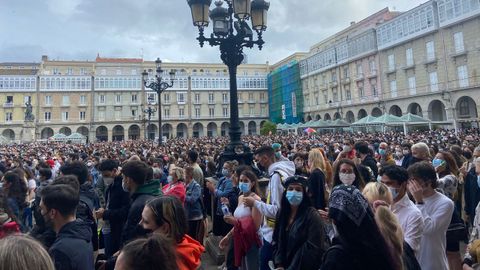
[241,153]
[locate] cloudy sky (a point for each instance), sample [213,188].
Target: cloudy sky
[79,29]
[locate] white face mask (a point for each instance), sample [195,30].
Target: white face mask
[347,178]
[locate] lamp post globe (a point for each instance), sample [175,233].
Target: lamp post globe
[232,33]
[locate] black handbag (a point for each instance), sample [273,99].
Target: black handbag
[457,230]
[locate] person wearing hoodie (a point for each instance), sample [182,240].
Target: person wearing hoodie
[115,212]
[166,216]
[72,248]
[89,200]
[278,171]
[135,183]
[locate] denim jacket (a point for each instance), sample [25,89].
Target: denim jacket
[193,203]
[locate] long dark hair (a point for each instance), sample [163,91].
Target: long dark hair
[281,224]
[17,189]
[359,182]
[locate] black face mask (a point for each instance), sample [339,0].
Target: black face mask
[261,168]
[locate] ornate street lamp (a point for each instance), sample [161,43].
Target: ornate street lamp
[158,85]
[232,33]
[149,111]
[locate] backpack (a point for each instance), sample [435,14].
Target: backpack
[85,213]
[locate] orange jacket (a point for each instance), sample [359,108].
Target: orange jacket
[189,252]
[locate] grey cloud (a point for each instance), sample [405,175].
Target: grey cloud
[78,29]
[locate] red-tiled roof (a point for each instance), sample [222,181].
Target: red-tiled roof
[118,60]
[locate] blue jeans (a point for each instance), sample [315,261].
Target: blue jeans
[266,255]
[107,241]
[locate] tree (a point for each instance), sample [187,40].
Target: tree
[268,127]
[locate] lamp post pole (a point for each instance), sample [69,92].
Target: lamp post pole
[231,43]
[158,85]
[149,111]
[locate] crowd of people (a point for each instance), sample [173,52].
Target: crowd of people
[319,201]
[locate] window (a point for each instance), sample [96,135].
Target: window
[225,112]
[83,71]
[197,98]
[101,115]
[66,100]
[69,71]
[250,96]
[225,97]
[262,97]
[430,46]
[359,69]
[346,72]
[47,116]
[166,112]
[134,98]
[119,72]
[181,113]
[166,98]
[464,108]
[118,98]
[9,100]
[373,66]
[134,112]
[211,112]
[412,85]
[83,100]
[334,76]
[374,90]
[82,116]
[348,94]
[335,94]
[433,81]
[27,99]
[151,98]
[197,112]
[181,98]
[48,100]
[118,115]
[211,98]
[263,110]
[409,57]
[101,99]
[361,91]
[391,62]
[103,72]
[393,88]
[133,72]
[325,97]
[462,76]
[458,42]
[8,117]
[55,71]
[251,110]
[64,116]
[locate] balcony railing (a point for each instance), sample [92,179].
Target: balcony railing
[8,105]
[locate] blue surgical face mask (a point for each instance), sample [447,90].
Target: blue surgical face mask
[224,172]
[244,187]
[169,179]
[437,162]
[394,192]
[478,180]
[382,152]
[294,197]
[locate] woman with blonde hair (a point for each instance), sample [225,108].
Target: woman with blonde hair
[379,197]
[23,252]
[316,180]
